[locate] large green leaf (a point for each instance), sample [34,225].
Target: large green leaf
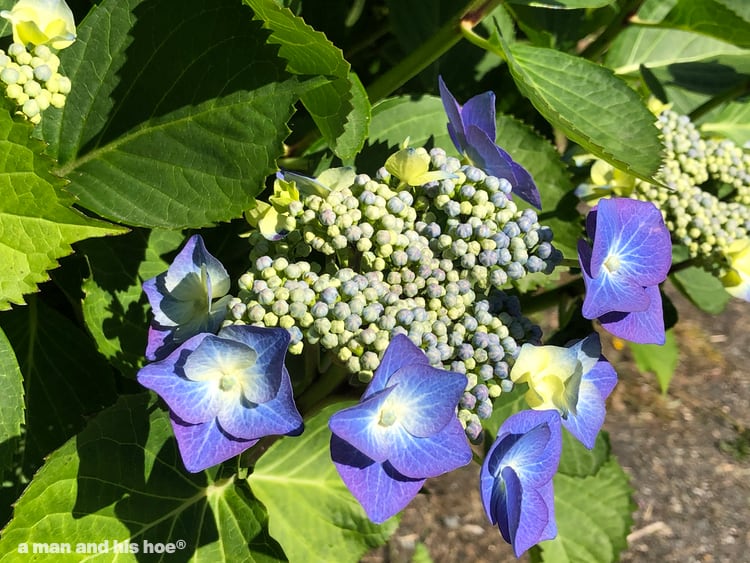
[702,288]
[726,19]
[121,480]
[66,380]
[37,221]
[311,513]
[395,119]
[340,107]
[11,402]
[577,461]
[150,141]
[541,159]
[657,47]
[659,359]
[114,307]
[592,106]
[731,122]
[593,517]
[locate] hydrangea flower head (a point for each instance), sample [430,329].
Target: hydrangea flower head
[573,381]
[737,280]
[42,22]
[225,392]
[182,298]
[403,430]
[473,130]
[630,257]
[516,478]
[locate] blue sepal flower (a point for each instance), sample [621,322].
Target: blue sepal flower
[404,430]
[182,299]
[473,130]
[516,478]
[630,257]
[574,381]
[225,392]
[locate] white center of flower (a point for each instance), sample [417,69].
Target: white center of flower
[387,417]
[227,382]
[612,263]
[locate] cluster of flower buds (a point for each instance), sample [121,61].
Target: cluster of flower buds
[29,70]
[32,81]
[429,261]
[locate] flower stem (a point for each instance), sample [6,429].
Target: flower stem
[432,49]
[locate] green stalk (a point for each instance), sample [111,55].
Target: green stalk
[445,38]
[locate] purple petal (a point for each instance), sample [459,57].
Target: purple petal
[530,441]
[275,417]
[453,111]
[360,426]
[634,233]
[589,417]
[525,187]
[427,396]
[194,402]
[642,327]
[191,259]
[485,154]
[479,111]
[380,489]
[433,456]
[536,521]
[205,445]
[609,293]
[400,352]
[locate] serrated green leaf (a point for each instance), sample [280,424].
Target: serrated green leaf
[594,516]
[592,106]
[340,108]
[703,289]
[577,461]
[543,162]
[395,119]
[728,20]
[11,402]
[37,221]
[121,480]
[656,47]
[115,309]
[661,360]
[66,380]
[731,122]
[152,142]
[311,513]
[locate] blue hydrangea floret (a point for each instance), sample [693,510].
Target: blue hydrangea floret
[225,392]
[575,381]
[403,431]
[631,255]
[516,478]
[186,300]
[473,130]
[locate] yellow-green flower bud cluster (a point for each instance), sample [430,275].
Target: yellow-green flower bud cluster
[706,193]
[32,81]
[377,258]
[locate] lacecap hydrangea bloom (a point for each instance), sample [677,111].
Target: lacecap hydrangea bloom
[516,478]
[473,130]
[574,382]
[183,299]
[42,22]
[630,257]
[225,392]
[403,430]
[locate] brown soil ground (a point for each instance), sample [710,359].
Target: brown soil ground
[692,488]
